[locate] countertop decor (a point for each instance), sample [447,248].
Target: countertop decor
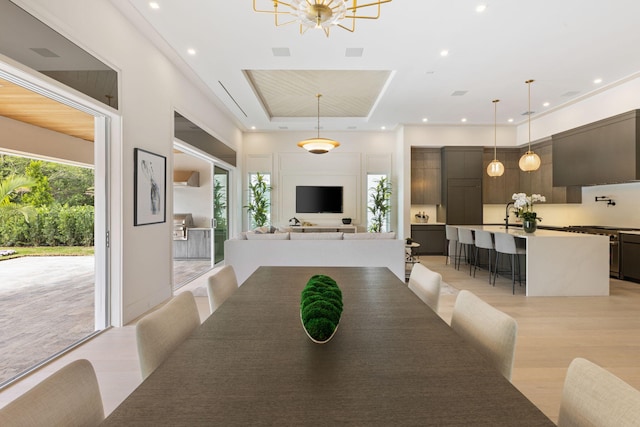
[321,308]
[524,210]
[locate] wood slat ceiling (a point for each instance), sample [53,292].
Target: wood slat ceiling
[21,104]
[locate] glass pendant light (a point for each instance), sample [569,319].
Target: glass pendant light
[529,161]
[495,168]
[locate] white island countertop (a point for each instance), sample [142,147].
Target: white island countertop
[561,263]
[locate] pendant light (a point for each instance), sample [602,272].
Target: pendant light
[529,161]
[495,168]
[318,145]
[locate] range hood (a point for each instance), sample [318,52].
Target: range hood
[186,179]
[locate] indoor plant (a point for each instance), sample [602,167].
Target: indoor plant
[321,308]
[380,204]
[524,210]
[259,203]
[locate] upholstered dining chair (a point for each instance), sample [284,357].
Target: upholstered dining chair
[222,284]
[68,398]
[426,283]
[492,332]
[593,396]
[159,333]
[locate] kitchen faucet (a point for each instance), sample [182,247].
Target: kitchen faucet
[506,215]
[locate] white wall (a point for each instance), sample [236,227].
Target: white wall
[150,88]
[198,201]
[359,153]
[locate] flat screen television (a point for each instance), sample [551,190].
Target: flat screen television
[318,199]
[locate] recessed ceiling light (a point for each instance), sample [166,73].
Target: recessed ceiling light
[463,120]
[444,52]
[510,120]
[546,104]
[383,127]
[154,5]
[191,51]
[425,120]
[481,8]
[597,81]
[253,128]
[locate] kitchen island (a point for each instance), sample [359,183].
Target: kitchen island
[560,263]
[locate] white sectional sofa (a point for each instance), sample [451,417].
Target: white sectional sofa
[252,250]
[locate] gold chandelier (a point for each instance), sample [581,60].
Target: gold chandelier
[318,145]
[529,161]
[495,168]
[320,14]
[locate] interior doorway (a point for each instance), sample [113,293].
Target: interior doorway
[201,204]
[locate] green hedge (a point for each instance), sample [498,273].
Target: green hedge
[53,226]
[321,307]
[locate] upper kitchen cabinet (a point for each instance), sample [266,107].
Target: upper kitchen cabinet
[425,176]
[461,186]
[500,189]
[604,152]
[541,181]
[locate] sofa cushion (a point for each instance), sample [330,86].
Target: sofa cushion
[369,236]
[268,236]
[316,236]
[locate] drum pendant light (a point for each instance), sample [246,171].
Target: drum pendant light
[529,161]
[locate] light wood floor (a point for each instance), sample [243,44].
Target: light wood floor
[551,332]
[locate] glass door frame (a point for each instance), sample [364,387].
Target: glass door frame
[214,163]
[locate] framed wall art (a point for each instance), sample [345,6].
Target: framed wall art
[150,188]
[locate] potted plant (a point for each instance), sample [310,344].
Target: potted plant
[524,210]
[380,204]
[321,308]
[259,203]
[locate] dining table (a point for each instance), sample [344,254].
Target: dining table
[392,361]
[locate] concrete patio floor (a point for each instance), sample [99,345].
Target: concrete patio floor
[47,305]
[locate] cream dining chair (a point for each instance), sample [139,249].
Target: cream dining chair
[159,333]
[221,286]
[492,332]
[426,284]
[68,398]
[592,396]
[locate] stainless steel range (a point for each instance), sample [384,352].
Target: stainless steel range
[181,224]
[615,249]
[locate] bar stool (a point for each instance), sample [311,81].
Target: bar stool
[467,241]
[506,244]
[451,234]
[484,240]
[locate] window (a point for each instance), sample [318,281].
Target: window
[378,202]
[259,200]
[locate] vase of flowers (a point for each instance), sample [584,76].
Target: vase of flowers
[524,210]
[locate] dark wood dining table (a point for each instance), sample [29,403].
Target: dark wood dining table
[393,361]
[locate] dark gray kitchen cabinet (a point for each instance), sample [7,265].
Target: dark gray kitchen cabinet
[541,181]
[630,263]
[461,186]
[425,176]
[603,152]
[500,189]
[431,237]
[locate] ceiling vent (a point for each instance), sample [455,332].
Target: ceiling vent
[459,93]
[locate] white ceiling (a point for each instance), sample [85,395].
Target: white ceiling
[563,44]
